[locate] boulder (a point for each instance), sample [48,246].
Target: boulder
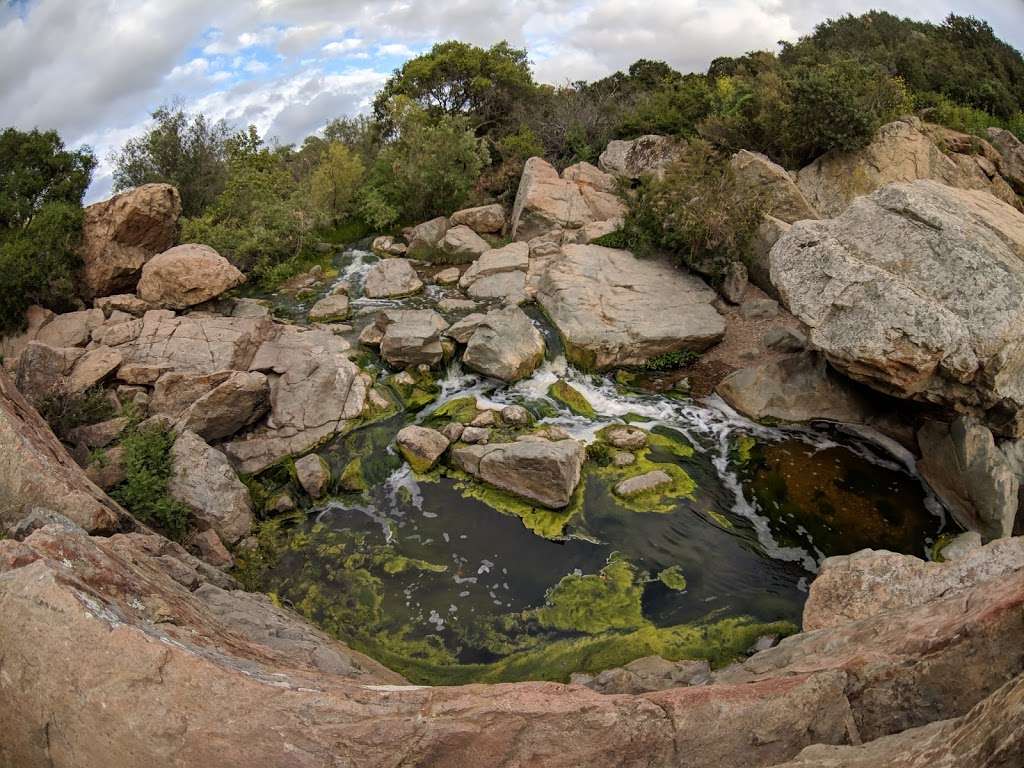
[315,391]
[187,275]
[1011,156]
[537,470]
[613,309]
[330,309]
[411,337]
[421,446]
[756,175]
[654,480]
[451,306]
[917,291]
[462,244]
[868,583]
[901,152]
[795,388]
[123,302]
[625,437]
[238,401]
[759,267]
[107,469]
[211,549]
[12,346]
[176,391]
[505,345]
[121,234]
[424,239]
[975,480]
[547,201]
[314,475]
[650,673]
[197,342]
[499,273]
[462,330]
[643,156]
[391,278]
[203,480]
[385,246]
[734,284]
[72,329]
[484,219]
[42,370]
[448,276]
[119,329]
[95,366]
[98,435]
[35,469]
[475,435]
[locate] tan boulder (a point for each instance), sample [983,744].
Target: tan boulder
[755,174]
[421,446]
[42,370]
[426,238]
[121,234]
[92,368]
[546,201]
[484,219]
[391,278]
[461,244]
[504,345]
[123,302]
[1011,156]
[329,309]
[639,157]
[238,401]
[72,329]
[538,470]
[187,275]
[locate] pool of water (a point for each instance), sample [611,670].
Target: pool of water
[447,582]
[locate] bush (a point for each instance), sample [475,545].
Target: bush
[64,411]
[695,212]
[147,468]
[334,183]
[429,170]
[41,189]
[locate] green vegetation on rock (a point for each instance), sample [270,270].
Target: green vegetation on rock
[673,578]
[460,409]
[571,398]
[595,603]
[148,469]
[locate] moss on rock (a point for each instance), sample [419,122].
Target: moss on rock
[571,398]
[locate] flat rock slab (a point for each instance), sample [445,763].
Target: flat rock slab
[613,309]
[537,470]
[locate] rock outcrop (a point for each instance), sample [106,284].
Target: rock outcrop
[1011,156]
[613,309]
[121,234]
[756,175]
[187,275]
[499,273]
[537,470]
[546,201]
[902,151]
[643,156]
[504,345]
[36,470]
[917,291]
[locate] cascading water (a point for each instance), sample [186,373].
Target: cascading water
[447,582]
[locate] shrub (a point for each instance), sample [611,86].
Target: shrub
[334,183]
[64,411]
[41,189]
[144,493]
[695,212]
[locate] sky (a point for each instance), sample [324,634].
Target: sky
[95,69]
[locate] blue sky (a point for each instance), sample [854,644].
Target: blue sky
[95,69]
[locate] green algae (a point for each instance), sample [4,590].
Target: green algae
[571,398]
[742,448]
[392,563]
[721,520]
[673,578]
[460,409]
[595,603]
[351,478]
[547,523]
[663,450]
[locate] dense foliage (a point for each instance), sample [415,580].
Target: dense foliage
[148,470]
[41,189]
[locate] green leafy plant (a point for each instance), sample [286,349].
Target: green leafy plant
[148,470]
[64,411]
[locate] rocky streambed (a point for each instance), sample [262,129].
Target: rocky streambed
[447,579]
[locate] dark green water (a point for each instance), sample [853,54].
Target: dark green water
[449,582]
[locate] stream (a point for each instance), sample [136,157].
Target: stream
[449,582]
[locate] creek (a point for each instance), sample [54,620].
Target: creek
[448,581]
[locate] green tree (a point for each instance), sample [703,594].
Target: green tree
[457,78]
[362,134]
[41,189]
[428,170]
[335,182]
[188,151]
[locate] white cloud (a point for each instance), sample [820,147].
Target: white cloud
[93,69]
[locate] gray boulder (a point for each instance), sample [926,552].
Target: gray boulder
[755,174]
[411,337]
[642,156]
[505,345]
[1011,156]
[613,309]
[330,309]
[391,278]
[462,244]
[421,446]
[538,470]
[917,291]
[314,475]
[426,238]
[484,219]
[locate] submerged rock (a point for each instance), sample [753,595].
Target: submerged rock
[505,345]
[654,480]
[613,309]
[537,470]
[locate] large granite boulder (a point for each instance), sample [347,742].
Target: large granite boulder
[238,401]
[391,278]
[541,471]
[410,337]
[421,446]
[43,370]
[71,329]
[424,239]
[917,291]
[498,273]
[868,583]
[505,345]
[196,342]
[461,244]
[315,391]
[36,470]
[613,309]
[902,151]
[643,156]
[755,174]
[546,201]
[187,275]
[203,480]
[121,234]
[795,388]
[976,480]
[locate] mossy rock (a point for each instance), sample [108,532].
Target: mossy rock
[571,398]
[351,478]
[673,578]
[460,409]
